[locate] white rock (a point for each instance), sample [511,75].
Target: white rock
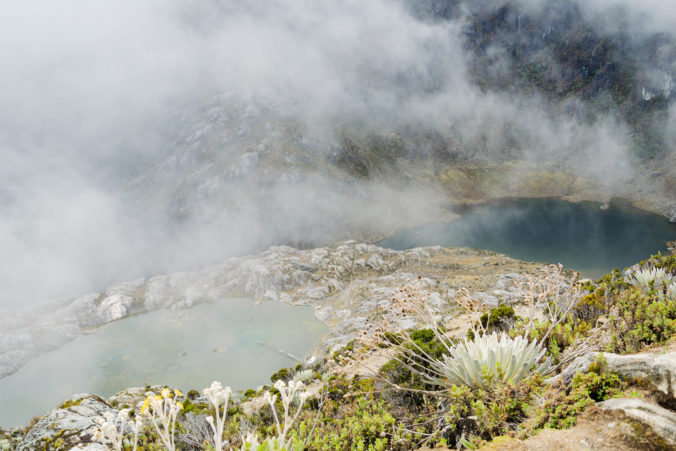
[114,307]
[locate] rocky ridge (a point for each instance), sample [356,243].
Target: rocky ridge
[346,284]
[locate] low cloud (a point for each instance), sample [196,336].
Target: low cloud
[119,163]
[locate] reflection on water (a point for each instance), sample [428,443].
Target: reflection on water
[581,236]
[186,348]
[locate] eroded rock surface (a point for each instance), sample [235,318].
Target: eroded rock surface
[347,284]
[657,369]
[660,420]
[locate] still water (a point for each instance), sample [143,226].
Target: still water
[581,236]
[186,348]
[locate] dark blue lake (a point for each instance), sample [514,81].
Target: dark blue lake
[581,236]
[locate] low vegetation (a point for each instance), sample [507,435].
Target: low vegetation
[436,389]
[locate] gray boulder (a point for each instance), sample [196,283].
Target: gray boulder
[70,426]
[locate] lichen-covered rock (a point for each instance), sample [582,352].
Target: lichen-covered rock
[92,447]
[659,419]
[10,439]
[129,398]
[671,245]
[132,398]
[69,426]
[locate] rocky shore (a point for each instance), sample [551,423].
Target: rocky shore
[344,283]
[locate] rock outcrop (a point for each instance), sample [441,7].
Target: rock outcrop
[659,370]
[659,419]
[70,426]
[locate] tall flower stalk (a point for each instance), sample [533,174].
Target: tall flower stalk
[108,431]
[136,427]
[288,393]
[217,396]
[162,411]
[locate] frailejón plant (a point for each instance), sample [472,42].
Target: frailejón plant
[671,291]
[492,358]
[648,279]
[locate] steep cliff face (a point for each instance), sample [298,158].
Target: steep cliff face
[571,57]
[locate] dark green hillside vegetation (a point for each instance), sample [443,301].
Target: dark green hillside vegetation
[556,52]
[561,53]
[368,154]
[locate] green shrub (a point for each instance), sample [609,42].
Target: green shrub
[641,320]
[282,375]
[498,319]
[399,370]
[598,387]
[360,423]
[560,338]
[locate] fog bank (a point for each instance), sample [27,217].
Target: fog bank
[143,138]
